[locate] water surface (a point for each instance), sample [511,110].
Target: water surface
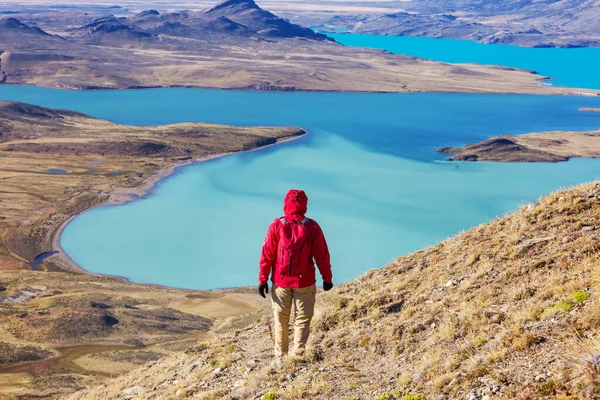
[369,166]
[576,67]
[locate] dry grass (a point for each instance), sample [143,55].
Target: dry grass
[476,314]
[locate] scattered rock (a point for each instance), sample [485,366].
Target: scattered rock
[530,242]
[473,396]
[451,282]
[217,371]
[190,368]
[130,391]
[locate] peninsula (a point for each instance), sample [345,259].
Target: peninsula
[57,163]
[532,147]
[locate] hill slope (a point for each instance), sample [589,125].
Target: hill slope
[506,310]
[542,23]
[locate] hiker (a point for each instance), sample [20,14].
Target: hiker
[292,246]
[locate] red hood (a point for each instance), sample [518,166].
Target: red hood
[295,204]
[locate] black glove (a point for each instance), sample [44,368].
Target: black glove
[262,289]
[327,286]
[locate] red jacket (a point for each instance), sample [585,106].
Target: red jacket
[292,246]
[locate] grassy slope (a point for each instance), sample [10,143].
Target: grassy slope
[508,310]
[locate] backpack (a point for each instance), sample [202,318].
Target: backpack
[291,244]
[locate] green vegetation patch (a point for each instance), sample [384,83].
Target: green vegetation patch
[269,396]
[572,301]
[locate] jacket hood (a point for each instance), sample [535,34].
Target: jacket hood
[295,203]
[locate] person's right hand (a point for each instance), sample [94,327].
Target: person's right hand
[262,289]
[327,286]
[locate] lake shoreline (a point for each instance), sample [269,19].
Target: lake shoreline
[546,88]
[120,196]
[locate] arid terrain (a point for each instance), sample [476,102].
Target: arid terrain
[61,331]
[234,45]
[507,310]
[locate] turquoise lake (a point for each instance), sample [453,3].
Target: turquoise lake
[567,67]
[368,164]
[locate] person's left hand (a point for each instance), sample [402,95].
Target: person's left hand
[327,286]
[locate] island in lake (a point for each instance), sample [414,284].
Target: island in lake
[532,147]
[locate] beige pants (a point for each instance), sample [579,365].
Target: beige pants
[303,300]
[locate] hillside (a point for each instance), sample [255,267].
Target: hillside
[543,23]
[505,310]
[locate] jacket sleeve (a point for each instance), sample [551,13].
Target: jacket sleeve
[321,255]
[269,252]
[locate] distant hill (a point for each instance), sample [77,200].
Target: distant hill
[230,18]
[509,309]
[233,45]
[544,23]
[249,14]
